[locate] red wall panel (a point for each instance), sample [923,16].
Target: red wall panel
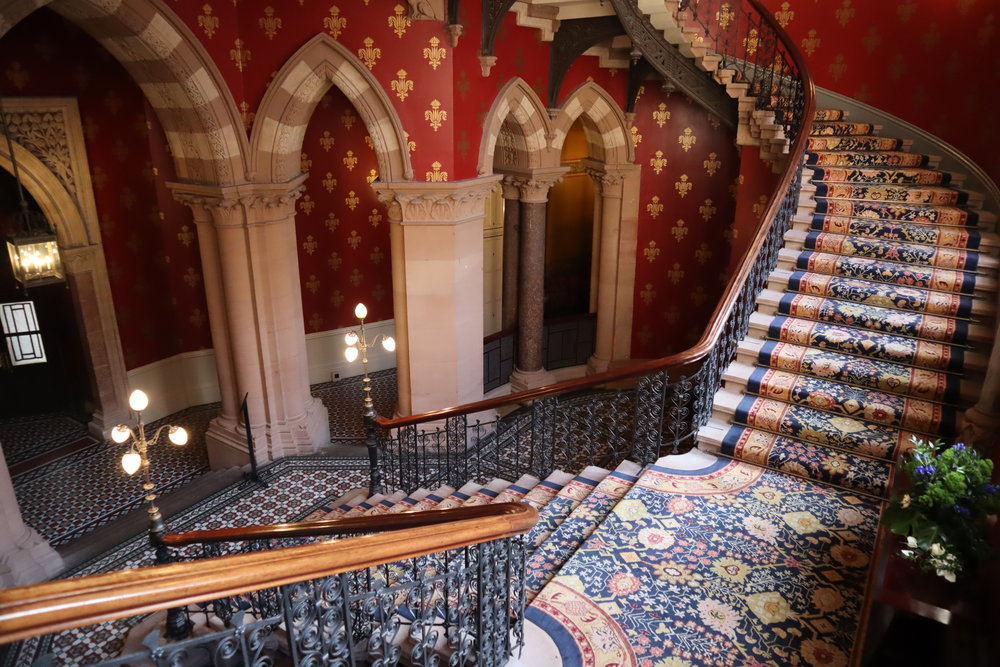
[149,241]
[932,63]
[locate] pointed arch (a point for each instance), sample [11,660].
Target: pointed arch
[605,126]
[69,206]
[292,97]
[517,120]
[175,73]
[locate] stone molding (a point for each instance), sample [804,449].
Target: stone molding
[534,184]
[248,204]
[448,203]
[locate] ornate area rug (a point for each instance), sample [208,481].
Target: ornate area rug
[728,565]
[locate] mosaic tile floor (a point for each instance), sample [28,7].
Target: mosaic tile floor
[67,483]
[296,486]
[344,399]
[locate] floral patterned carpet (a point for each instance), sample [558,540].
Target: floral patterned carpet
[728,565]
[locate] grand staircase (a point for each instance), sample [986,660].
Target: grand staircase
[760,548]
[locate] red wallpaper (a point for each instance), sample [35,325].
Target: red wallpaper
[341,228]
[686,205]
[270,32]
[934,64]
[149,240]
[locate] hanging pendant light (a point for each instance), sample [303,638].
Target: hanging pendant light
[33,248]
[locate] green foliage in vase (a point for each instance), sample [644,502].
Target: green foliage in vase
[947,509]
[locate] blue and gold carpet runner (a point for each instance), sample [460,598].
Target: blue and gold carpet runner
[882,279]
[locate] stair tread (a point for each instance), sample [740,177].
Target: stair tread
[916,254]
[862,342]
[899,323]
[895,175]
[848,470]
[866,158]
[951,236]
[871,405]
[902,211]
[858,371]
[582,520]
[568,497]
[816,426]
[884,271]
[885,295]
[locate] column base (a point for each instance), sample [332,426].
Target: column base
[524,380]
[101,423]
[31,561]
[227,446]
[979,429]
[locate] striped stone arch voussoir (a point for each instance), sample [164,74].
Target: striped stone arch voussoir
[517,109]
[280,123]
[183,85]
[605,126]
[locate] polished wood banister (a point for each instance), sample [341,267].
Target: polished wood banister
[333,527]
[720,315]
[28,611]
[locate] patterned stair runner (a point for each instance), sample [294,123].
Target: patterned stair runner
[732,564]
[875,309]
[764,554]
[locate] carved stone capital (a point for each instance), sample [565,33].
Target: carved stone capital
[250,203]
[426,10]
[486,64]
[454,32]
[446,203]
[534,184]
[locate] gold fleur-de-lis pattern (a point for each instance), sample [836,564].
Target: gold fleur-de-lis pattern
[343,244]
[435,116]
[270,24]
[370,54]
[687,155]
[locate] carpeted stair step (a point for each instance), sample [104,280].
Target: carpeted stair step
[362,508]
[724,565]
[559,507]
[968,238]
[824,115]
[408,503]
[856,143]
[842,469]
[842,128]
[549,556]
[892,251]
[338,508]
[862,342]
[516,491]
[433,498]
[383,506]
[885,295]
[870,158]
[897,273]
[872,318]
[811,425]
[858,371]
[546,490]
[898,176]
[488,493]
[929,195]
[839,398]
[902,212]
[456,499]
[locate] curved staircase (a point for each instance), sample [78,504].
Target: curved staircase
[874,326]
[873,330]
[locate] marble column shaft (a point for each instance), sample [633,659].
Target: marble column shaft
[511,252]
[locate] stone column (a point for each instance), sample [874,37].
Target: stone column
[529,371]
[981,422]
[87,274]
[25,556]
[511,248]
[437,278]
[618,193]
[248,245]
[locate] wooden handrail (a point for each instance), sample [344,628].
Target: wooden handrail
[333,527]
[720,315]
[28,611]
